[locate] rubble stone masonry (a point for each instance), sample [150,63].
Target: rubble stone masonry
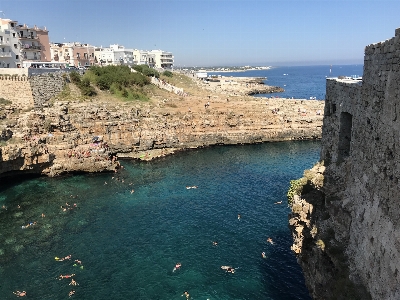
[33,91]
[355,215]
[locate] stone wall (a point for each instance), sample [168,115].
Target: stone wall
[16,89]
[46,86]
[32,91]
[357,217]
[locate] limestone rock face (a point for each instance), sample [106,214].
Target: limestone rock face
[356,212]
[84,136]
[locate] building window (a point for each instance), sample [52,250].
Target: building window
[13,34]
[16,56]
[15,46]
[77,55]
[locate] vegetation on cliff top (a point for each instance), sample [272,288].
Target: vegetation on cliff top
[311,177]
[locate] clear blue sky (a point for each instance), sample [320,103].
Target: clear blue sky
[220,32]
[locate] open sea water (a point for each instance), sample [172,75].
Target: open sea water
[129,242]
[299,82]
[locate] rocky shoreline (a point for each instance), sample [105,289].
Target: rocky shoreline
[75,136]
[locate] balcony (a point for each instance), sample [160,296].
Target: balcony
[5,54]
[30,47]
[25,37]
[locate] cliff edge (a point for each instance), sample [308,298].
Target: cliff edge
[86,135]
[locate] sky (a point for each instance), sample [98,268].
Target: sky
[219,32]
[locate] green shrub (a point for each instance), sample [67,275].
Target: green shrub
[86,88]
[296,187]
[146,70]
[168,73]
[75,77]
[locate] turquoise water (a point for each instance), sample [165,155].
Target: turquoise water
[129,242]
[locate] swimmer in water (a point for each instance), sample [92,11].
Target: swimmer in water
[71,293]
[279,202]
[239,216]
[263,255]
[215,243]
[65,276]
[177,267]
[185,293]
[73,282]
[269,240]
[20,294]
[230,270]
[132,191]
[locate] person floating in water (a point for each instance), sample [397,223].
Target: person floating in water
[239,216]
[230,270]
[20,294]
[279,202]
[73,282]
[191,187]
[215,243]
[65,276]
[71,293]
[68,257]
[78,262]
[186,293]
[263,255]
[269,240]
[177,267]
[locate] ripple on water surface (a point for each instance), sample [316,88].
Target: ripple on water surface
[129,242]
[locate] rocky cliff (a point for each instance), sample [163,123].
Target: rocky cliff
[346,229]
[69,136]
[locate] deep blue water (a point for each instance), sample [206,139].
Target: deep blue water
[129,242]
[300,82]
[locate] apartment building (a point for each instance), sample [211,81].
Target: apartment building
[74,54]
[143,57]
[163,59]
[114,55]
[20,43]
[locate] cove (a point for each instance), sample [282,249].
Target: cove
[129,242]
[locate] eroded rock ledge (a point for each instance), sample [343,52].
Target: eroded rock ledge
[75,136]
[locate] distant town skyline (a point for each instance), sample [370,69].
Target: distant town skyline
[219,33]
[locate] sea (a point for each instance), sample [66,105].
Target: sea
[121,235]
[299,82]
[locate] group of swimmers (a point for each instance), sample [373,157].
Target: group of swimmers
[29,225]
[68,207]
[69,276]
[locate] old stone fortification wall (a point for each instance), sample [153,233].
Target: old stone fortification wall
[45,86]
[357,214]
[16,89]
[32,91]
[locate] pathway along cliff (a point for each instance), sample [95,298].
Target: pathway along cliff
[85,135]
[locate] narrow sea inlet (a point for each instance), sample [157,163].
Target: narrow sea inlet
[130,229]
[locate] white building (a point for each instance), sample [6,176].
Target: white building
[20,43]
[114,55]
[143,57]
[163,59]
[9,44]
